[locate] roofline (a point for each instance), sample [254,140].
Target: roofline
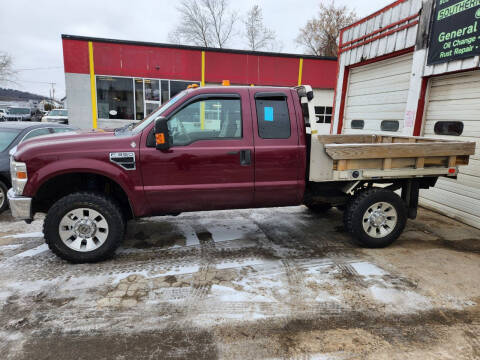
[372,15]
[199,48]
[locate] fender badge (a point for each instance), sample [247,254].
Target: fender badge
[133,144]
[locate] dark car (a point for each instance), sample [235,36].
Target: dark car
[13,133]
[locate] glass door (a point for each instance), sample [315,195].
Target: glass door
[152,95]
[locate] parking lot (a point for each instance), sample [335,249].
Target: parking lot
[267,283]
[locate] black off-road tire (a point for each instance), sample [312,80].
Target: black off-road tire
[108,208]
[360,203]
[3,190]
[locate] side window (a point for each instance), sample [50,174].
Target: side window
[37,132]
[390,125]
[323,114]
[357,124]
[273,119]
[451,128]
[211,119]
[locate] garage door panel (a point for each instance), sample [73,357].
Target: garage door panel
[368,116]
[448,184]
[387,79]
[373,125]
[453,200]
[456,79]
[385,74]
[378,99]
[378,92]
[368,109]
[397,62]
[456,98]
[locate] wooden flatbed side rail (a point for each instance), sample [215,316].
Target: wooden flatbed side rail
[398,150]
[374,139]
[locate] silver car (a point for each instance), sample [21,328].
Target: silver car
[58,116]
[18,114]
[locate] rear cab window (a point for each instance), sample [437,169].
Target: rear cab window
[272,116]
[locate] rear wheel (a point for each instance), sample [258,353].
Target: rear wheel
[376,217]
[84,227]
[3,197]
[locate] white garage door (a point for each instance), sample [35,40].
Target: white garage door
[453,104]
[377,96]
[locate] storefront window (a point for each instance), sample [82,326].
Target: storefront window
[134,98]
[177,86]
[139,115]
[165,91]
[151,107]
[115,98]
[152,90]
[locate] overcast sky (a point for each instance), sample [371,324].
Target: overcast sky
[30,30]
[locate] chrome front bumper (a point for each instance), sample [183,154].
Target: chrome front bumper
[20,206]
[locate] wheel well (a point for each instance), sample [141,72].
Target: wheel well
[62,185]
[5,181]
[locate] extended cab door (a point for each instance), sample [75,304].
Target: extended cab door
[210,163]
[280,154]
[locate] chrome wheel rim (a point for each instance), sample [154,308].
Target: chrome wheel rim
[379,220]
[2,198]
[83,229]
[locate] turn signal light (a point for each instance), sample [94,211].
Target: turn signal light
[226,82]
[22,175]
[160,138]
[192,86]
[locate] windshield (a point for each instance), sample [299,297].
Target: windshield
[19,111]
[6,137]
[58,113]
[148,120]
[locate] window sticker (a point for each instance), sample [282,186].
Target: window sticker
[268,113]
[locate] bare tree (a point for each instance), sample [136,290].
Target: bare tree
[208,23]
[257,34]
[6,72]
[319,35]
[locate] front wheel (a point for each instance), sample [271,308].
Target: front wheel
[376,217]
[84,227]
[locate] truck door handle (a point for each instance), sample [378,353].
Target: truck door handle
[245,157]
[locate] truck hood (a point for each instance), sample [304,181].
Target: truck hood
[81,141]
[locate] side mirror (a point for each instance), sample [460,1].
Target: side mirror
[162,137]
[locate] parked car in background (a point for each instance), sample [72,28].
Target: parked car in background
[59,116]
[18,114]
[3,112]
[12,134]
[37,115]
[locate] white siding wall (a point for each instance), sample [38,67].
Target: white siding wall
[79,100]
[322,97]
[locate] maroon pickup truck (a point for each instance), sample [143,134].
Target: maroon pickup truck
[206,149]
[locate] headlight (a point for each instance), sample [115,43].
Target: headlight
[18,171]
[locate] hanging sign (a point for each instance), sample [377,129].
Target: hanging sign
[455,31]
